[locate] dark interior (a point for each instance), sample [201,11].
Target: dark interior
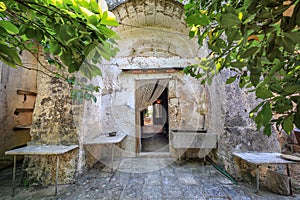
[155,133]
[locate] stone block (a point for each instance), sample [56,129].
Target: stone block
[122,13]
[278,183]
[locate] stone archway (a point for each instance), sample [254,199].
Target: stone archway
[153,35]
[154,28]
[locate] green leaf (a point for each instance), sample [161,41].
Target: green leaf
[71,40]
[242,82]
[263,92]
[258,120]
[86,12]
[104,51]
[255,77]
[9,27]
[30,32]
[232,35]
[288,125]
[73,15]
[266,114]
[193,31]
[67,59]
[264,14]
[102,7]
[109,19]
[287,44]
[231,80]
[268,130]
[253,7]
[230,20]
[197,19]
[93,19]
[54,47]
[257,107]
[282,104]
[2,6]
[237,64]
[108,32]
[294,36]
[291,89]
[94,6]
[249,52]
[94,99]
[3,32]
[11,55]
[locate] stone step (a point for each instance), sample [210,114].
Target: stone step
[154,155]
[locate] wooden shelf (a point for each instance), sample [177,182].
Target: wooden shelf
[20,110]
[24,92]
[22,127]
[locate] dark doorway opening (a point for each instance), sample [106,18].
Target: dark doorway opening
[155,126]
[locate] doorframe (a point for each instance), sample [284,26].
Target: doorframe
[138,127]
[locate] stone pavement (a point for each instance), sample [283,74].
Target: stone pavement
[144,178]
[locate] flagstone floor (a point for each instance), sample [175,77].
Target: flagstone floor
[142,179]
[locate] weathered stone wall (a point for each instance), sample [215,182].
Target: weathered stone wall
[15,122]
[163,22]
[53,123]
[153,35]
[239,131]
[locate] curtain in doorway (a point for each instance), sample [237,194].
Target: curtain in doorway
[148,91]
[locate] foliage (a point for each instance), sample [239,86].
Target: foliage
[258,40]
[71,34]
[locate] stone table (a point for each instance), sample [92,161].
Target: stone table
[105,139]
[40,150]
[260,158]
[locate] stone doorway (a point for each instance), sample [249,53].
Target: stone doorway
[155,126]
[152,118]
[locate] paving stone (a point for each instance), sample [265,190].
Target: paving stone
[152,180]
[172,198]
[121,178]
[97,194]
[120,185]
[132,190]
[167,172]
[235,193]
[152,192]
[172,191]
[192,192]
[114,193]
[213,191]
[169,180]
[187,179]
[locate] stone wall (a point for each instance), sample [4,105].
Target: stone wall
[239,132]
[17,99]
[153,35]
[53,123]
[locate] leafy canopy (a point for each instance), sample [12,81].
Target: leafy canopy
[71,34]
[258,40]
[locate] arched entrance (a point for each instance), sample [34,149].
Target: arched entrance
[154,36]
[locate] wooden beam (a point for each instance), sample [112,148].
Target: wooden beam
[152,71]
